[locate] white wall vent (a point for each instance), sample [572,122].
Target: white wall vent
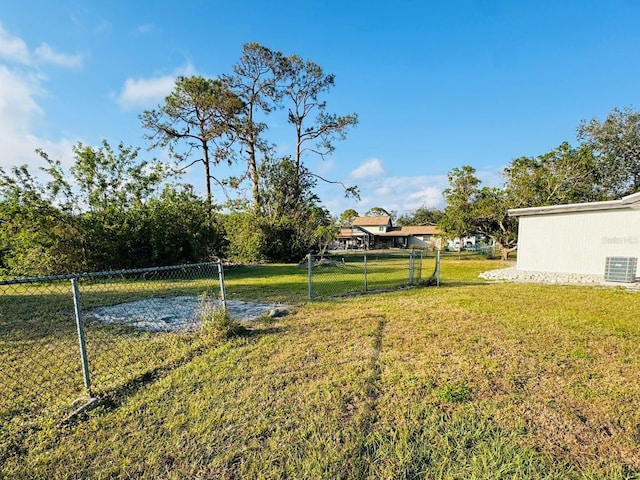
[620,269]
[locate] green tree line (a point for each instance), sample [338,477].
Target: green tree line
[108,211]
[112,210]
[604,166]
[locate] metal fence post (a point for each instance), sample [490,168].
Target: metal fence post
[438,269]
[310,276]
[223,292]
[411,260]
[365,272]
[83,350]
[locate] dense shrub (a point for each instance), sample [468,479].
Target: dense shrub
[105,213]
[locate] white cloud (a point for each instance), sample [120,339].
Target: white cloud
[425,197]
[409,193]
[402,194]
[146,92]
[17,105]
[13,48]
[145,28]
[370,168]
[383,191]
[46,54]
[20,111]
[364,201]
[491,177]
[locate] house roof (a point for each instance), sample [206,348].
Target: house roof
[410,230]
[347,232]
[630,201]
[420,230]
[371,221]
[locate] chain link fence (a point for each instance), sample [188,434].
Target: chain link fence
[68,338]
[345,273]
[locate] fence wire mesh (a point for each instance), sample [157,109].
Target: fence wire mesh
[133,323]
[344,273]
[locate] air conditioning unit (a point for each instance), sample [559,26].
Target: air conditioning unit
[620,269]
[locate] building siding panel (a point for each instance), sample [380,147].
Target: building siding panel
[577,242]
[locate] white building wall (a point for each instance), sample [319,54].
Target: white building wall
[577,242]
[414,241]
[375,230]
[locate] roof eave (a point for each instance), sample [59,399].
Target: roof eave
[632,201]
[570,208]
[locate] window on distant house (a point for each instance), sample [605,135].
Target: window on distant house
[381,228]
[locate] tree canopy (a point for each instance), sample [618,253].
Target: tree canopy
[615,143]
[563,175]
[290,224]
[195,117]
[111,209]
[458,219]
[380,212]
[347,217]
[107,211]
[604,166]
[421,216]
[224,120]
[316,130]
[254,81]
[265,81]
[474,210]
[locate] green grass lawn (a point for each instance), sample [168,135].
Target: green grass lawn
[345,274]
[469,380]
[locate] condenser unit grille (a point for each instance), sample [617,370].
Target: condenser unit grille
[620,269]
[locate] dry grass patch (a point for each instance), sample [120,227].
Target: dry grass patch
[540,358]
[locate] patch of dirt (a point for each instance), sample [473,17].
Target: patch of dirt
[174,314]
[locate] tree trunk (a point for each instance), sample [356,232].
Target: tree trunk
[297,160]
[253,172]
[251,160]
[207,173]
[505,250]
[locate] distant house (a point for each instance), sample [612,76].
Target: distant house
[474,242]
[379,232]
[373,225]
[578,238]
[416,236]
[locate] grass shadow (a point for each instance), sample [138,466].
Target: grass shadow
[255,332]
[113,398]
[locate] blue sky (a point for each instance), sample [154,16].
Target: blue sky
[436,85]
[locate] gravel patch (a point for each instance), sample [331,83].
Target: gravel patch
[512,275]
[173,314]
